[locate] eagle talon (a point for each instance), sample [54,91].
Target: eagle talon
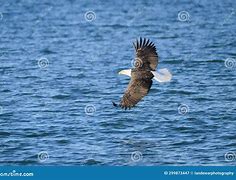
[114,104]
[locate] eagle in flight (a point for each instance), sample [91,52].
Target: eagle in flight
[142,73]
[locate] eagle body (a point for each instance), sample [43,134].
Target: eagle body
[138,87]
[145,64]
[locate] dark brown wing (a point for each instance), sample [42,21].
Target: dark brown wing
[146,55]
[136,90]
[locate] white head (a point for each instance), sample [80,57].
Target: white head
[126,72]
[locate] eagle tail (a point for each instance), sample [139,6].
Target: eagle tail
[163,75]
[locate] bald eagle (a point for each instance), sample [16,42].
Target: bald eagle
[142,73]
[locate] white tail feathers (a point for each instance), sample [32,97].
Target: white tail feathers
[162,75]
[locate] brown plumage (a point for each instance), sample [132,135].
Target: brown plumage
[141,77]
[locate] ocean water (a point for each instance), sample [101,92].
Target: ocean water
[59,64]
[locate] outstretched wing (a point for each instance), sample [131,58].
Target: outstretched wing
[146,55]
[136,90]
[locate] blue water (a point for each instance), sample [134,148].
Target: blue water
[63,108]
